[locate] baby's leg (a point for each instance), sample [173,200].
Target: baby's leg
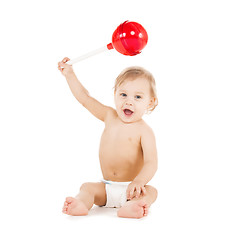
[89,194]
[138,207]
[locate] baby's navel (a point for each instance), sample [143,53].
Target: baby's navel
[129,139]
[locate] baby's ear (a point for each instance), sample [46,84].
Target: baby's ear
[152,103]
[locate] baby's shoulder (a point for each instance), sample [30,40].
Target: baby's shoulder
[111,114]
[145,128]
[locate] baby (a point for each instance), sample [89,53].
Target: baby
[128,155]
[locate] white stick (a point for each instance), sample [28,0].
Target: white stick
[87,55]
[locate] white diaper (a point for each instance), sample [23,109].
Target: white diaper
[116,193]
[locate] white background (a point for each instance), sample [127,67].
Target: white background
[49,142]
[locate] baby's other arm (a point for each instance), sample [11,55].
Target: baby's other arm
[149,148]
[80,92]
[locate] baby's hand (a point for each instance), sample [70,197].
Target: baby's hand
[64,68]
[135,189]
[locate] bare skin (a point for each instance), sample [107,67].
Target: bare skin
[127,148]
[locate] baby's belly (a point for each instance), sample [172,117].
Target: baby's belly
[120,167]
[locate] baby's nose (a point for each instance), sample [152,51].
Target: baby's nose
[128,103]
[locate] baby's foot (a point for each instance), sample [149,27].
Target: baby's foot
[133,209]
[74,207]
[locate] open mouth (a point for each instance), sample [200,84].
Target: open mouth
[128,112]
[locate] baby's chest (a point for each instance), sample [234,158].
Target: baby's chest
[121,138]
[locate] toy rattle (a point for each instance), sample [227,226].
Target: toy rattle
[128,39]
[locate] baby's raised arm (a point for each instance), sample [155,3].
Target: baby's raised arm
[80,92]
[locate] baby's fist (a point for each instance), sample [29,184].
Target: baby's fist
[65,68]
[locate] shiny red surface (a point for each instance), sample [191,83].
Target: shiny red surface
[129,38]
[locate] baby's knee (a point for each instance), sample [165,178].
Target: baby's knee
[151,190]
[87,187]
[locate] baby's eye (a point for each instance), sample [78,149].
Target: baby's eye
[138,97]
[123,94]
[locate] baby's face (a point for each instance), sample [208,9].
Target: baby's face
[132,99]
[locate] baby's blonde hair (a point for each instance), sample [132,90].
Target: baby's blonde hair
[132,73]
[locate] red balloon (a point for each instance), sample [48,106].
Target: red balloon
[129,38]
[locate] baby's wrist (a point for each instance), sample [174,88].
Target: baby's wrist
[70,74]
[139,181]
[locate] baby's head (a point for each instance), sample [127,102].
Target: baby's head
[134,94]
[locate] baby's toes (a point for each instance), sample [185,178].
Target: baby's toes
[69,200]
[64,209]
[145,211]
